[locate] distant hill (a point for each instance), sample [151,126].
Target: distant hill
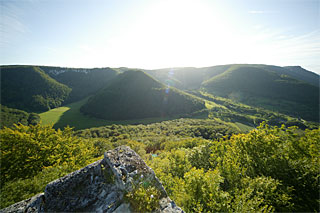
[295,72]
[29,88]
[9,116]
[256,85]
[187,78]
[190,78]
[83,82]
[303,75]
[135,95]
[290,90]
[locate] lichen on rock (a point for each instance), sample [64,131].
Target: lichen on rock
[102,186]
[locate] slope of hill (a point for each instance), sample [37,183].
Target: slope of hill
[83,82]
[135,95]
[187,78]
[30,88]
[9,117]
[303,75]
[190,78]
[260,87]
[295,72]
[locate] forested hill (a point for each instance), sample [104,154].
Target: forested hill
[9,117]
[293,91]
[83,82]
[303,75]
[191,78]
[257,86]
[135,95]
[186,78]
[30,88]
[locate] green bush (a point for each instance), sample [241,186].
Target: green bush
[268,169]
[26,150]
[144,198]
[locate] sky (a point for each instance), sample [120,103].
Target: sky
[153,34]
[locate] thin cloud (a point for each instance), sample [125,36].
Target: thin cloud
[262,11]
[11,26]
[303,50]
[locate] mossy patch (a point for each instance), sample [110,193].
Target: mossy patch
[107,174]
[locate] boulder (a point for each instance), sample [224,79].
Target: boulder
[99,187]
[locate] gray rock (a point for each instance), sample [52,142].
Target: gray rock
[123,208]
[33,204]
[98,187]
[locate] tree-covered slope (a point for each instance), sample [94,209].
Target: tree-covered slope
[303,75]
[9,117]
[135,95]
[191,78]
[83,82]
[295,72]
[187,78]
[257,86]
[30,88]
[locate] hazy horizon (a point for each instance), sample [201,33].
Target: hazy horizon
[139,68]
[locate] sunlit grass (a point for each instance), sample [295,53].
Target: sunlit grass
[243,127]
[52,116]
[70,115]
[209,104]
[239,126]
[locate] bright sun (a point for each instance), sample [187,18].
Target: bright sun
[174,33]
[181,32]
[177,33]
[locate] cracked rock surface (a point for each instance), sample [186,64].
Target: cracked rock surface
[98,187]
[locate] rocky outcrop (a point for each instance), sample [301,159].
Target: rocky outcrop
[99,187]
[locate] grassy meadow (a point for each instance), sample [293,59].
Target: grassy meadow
[70,115]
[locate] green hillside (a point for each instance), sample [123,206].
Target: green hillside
[260,87]
[9,117]
[295,72]
[29,88]
[70,115]
[303,75]
[191,78]
[83,82]
[187,78]
[135,95]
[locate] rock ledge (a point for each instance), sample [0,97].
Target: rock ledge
[98,187]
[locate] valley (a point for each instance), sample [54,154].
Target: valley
[247,94]
[70,115]
[251,130]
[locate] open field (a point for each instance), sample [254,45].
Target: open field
[53,116]
[70,115]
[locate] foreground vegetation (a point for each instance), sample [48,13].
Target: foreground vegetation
[271,168]
[202,166]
